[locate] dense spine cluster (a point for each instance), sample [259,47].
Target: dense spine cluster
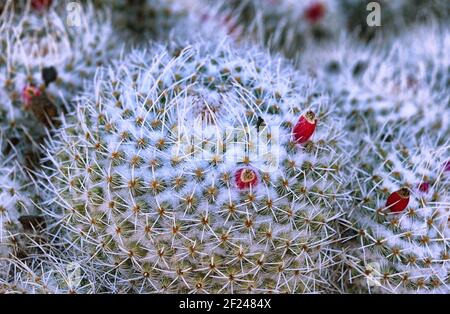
[162,182]
[396,102]
[48,270]
[290,26]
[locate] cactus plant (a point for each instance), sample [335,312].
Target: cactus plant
[282,25]
[46,62]
[19,217]
[47,271]
[138,21]
[159,176]
[380,85]
[399,226]
[201,164]
[397,107]
[291,26]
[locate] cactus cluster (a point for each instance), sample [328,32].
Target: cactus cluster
[45,61]
[396,102]
[400,219]
[197,146]
[392,85]
[282,25]
[162,179]
[290,26]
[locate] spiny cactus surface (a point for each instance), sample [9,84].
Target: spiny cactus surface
[47,58]
[19,214]
[138,21]
[200,170]
[400,219]
[375,86]
[48,271]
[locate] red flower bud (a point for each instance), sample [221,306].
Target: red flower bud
[315,12]
[28,93]
[398,200]
[424,187]
[245,178]
[40,5]
[305,127]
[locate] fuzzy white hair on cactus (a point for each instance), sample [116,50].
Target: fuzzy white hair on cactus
[52,42]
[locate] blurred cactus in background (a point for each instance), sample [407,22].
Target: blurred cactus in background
[45,62]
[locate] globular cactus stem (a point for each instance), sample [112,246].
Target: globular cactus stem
[161,213]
